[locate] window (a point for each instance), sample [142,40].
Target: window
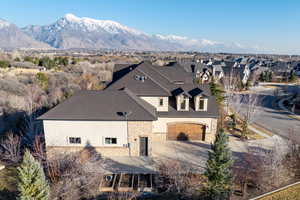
[182,104]
[74,140]
[110,140]
[161,102]
[201,104]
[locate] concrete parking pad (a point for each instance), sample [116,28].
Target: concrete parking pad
[191,155]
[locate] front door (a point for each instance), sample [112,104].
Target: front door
[143,146]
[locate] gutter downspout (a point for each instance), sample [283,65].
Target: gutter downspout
[126,114]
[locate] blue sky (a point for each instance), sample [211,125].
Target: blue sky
[271,24]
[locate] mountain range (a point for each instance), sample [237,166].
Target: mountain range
[71,31]
[12,37]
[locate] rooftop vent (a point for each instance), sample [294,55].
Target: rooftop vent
[140,78]
[178,82]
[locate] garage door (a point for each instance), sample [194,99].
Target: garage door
[186,131]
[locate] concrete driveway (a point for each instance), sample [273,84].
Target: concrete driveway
[191,156]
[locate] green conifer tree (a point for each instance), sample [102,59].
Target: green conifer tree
[218,168]
[293,78]
[32,184]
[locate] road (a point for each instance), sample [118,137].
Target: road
[268,114]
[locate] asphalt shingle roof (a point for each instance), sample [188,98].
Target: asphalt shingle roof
[102,106]
[122,96]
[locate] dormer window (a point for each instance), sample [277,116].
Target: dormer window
[200,103]
[182,103]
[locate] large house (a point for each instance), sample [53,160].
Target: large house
[146,104]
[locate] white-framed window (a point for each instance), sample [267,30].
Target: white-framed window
[161,102]
[110,140]
[201,104]
[74,140]
[183,104]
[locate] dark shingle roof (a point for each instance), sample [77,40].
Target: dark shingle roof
[160,81]
[102,106]
[147,87]
[174,73]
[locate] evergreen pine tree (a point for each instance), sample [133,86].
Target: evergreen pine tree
[32,183]
[218,168]
[293,78]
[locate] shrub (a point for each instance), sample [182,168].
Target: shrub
[32,182]
[4,64]
[43,80]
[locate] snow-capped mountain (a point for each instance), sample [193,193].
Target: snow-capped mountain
[3,23]
[89,24]
[71,31]
[74,32]
[12,37]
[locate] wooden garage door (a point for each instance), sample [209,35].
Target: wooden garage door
[185,131]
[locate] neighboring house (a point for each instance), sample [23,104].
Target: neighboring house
[148,104]
[296,69]
[281,71]
[200,70]
[204,75]
[237,71]
[244,73]
[217,69]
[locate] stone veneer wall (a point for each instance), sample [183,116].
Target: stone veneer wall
[137,129]
[210,137]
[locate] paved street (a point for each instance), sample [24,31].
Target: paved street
[271,117]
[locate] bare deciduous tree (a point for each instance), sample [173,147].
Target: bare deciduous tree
[10,148]
[34,100]
[73,178]
[178,179]
[230,82]
[247,107]
[262,167]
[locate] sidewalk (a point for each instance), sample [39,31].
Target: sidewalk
[259,132]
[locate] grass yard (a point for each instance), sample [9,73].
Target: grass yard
[291,193]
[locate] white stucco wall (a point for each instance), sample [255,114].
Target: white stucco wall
[154,101]
[160,126]
[91,132]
